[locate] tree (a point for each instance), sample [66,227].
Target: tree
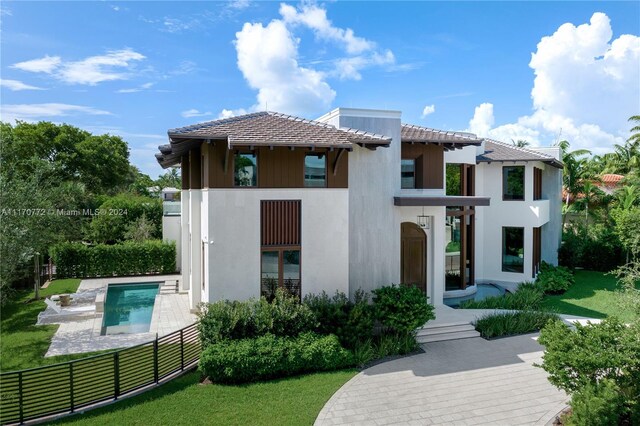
[574,169]
[171,179]
[520,143]
[141,229]
[118,212]
[634,139]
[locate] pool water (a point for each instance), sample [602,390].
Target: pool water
[484,291]
[128,308]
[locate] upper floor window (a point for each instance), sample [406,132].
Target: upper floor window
[245,169]
[315,171]
[513,183]
[408,170]
[454,179]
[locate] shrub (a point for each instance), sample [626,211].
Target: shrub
[512,323]
[269,356]
[528,296]
[554,279]
[283,316]
[596,405]
[76,260]
[117,213]
[596,249]
[401,309]
[351,321]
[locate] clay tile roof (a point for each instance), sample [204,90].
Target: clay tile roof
[450,140]
[266,129]
[500,151]
[611,179]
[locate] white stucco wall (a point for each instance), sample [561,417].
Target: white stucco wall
[172,232]
[490,220]
[233,234]
[185,260]
[466,155]
[374,177]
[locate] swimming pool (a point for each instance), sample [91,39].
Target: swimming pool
[128,308]
[483,291]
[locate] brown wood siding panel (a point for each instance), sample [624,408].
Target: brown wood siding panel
[280,168]
[341,179]
[216,176]
[537,251]
[184,171]
[205,155]
[195,166]
[537,183]
[429,164]
[280,223]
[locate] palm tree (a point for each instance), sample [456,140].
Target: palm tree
[627,196]
[634,139]
[520,143]
[574,169]
[591,196]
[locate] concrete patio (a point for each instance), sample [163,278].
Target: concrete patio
[456,382]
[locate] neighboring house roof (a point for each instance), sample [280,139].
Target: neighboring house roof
[500,152]
[265,129]
[610,179]
[413,133]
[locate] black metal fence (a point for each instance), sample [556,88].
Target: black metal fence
[67,387]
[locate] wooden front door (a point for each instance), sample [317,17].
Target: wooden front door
[413,256]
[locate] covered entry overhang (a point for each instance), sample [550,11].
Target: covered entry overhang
[440,200]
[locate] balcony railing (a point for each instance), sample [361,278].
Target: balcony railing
[171,208]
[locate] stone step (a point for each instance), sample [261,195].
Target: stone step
[444,330]
[431,325]
[447,336]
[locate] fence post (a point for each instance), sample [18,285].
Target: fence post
[155,359]
[116,375]
[71,401]
[50,269]
[20,397]
[181,349]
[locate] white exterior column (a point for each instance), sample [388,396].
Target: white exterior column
[195,275]
[185,245]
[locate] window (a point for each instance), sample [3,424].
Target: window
[513,250]
[245,169]
[454,179]
[513,183]
[280,242]
[459,250]
[537,183]
[315,171]
[408,170]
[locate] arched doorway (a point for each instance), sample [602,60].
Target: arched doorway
[413,256]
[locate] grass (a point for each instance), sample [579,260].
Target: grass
[291,401]
[512,323]
[594,295]
[22,343]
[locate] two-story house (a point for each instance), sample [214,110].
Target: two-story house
[357,200]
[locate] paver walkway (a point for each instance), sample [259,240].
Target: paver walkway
[457,382]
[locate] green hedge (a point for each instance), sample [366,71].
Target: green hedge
[77,260]
[269,356]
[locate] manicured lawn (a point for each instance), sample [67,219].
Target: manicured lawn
[22,343]
[291,401]
[594,295]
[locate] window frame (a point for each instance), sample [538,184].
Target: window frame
[537,183]
[503,250]
[524,183]
[280,280]
[326,172]
[413,161]
[257,169]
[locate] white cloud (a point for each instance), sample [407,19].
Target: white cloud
[349,68]
[585,88]
[228,113]
[47,64]
[137,89]
[88,71]
[30,112]
[194,113]
[238,4]
[268,59]
[15,85]
[315,17]
[428,109]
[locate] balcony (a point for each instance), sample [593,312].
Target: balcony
[436,197]
[171,208]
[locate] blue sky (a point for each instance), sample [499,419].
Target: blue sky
[139,68]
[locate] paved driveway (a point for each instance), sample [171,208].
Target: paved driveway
[457,382]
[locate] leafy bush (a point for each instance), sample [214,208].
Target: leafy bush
[269,356]
[554,279]
[596,249]
[580,361]
[283,316]
[118,213]
[77,260]
[401,309]
[527,296]
[512,323]
[596,405]
[351,321]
